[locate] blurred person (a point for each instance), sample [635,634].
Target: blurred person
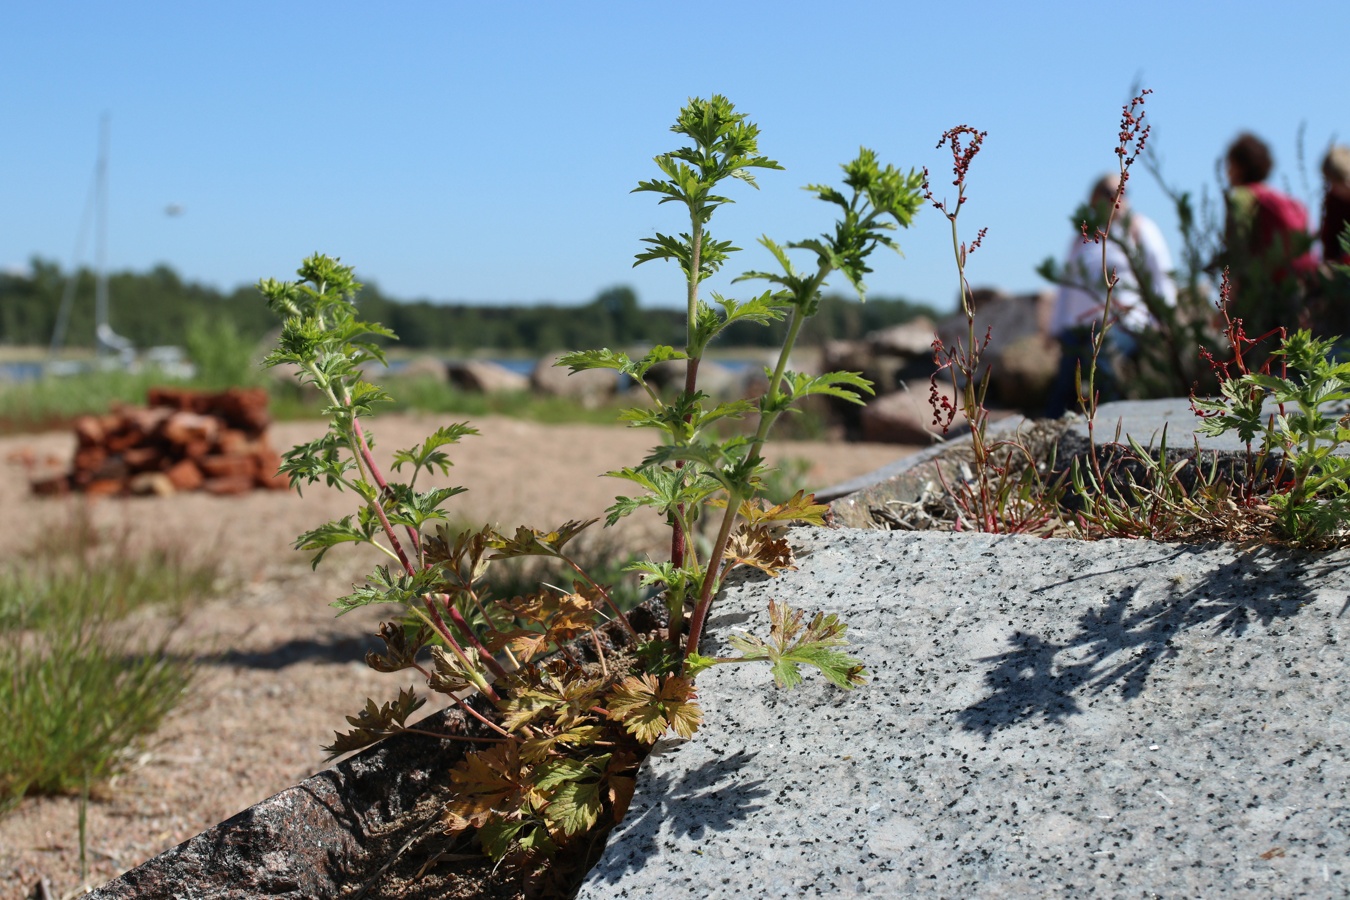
[1138,254]
[1328,302]
[1335,204]
[1267,248]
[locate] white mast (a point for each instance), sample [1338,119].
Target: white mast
[106,340]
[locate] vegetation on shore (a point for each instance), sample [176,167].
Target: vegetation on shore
[159,307]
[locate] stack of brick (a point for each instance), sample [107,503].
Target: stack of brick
[182,440]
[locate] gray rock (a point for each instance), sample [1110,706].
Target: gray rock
[485,377]
[591,386]
[427,367]
[1046,718]
[1005,318]
[906,417]
[913,338]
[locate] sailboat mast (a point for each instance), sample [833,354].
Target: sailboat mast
[101,236]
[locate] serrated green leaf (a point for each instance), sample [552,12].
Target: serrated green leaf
[791,645]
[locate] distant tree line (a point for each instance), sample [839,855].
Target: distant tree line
[158,307]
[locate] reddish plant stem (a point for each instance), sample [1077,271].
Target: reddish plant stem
[469,710]
[383,486]
[450,737]
[710,579]
[609,601]
[488,659]
[454,644]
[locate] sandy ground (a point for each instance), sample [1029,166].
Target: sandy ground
[279,671]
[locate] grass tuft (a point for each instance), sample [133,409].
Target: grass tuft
[82,679]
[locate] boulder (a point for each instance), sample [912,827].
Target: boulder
[881,369]
[714,379]
[906,416]
[591,387]
[480,376]
[914,338]
[1006,319]
[426,367]
[1025,372]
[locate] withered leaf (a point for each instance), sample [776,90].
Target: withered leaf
[800,507]
[401,647]
[532,542]
[757,546]
[450,675]
[374,723]
[489,782]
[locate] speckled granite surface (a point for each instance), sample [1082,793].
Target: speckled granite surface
[1046,718]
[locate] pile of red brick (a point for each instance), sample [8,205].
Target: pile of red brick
[182,440]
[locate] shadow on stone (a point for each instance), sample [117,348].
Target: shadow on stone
[1115,647]
[713,797]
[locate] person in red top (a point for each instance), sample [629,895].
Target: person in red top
[1267,247]
[1335,204]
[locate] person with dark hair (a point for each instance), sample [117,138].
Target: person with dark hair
[1266,243]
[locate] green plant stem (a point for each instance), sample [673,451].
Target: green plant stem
[712,574]
[678,538]
[439,624]
[356,445]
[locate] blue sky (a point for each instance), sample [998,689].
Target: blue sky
[486,152]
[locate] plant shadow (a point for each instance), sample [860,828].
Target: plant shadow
[333,648]
[713,797]
[1116,645]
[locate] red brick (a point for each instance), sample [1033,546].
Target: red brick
[225,487]
[185,475]
[221,466]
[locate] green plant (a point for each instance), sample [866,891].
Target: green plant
[1308,489]
[691,468]
[222,355]
[79,683]
[1005,492]
[564,734]
[555,761]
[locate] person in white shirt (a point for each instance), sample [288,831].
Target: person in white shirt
[1082,295]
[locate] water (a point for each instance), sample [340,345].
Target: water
[20,371]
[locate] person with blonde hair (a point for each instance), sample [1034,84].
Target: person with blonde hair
[1137,253]
[1335,203]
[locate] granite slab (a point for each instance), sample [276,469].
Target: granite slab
[1045,718]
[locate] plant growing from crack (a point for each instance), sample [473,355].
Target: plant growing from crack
[1306,482]
[561,694]
[1004,492]
[693,469]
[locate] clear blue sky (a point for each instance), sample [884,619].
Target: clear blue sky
[485,151]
